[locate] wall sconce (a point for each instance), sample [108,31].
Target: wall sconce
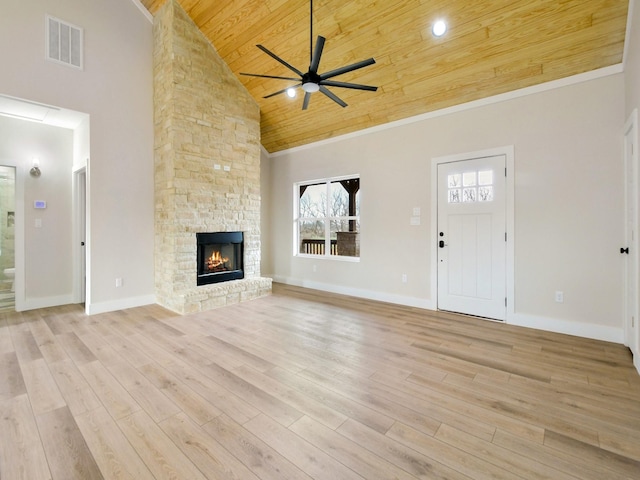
[35,169]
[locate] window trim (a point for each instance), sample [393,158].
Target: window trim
[327,238]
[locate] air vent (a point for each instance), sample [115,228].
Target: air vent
[64,42]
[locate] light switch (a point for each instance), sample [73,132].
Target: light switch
[416,211]
[38,223]
[415,221]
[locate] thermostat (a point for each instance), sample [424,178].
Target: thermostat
[39,204]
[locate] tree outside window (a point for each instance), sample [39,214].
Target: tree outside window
[328,217]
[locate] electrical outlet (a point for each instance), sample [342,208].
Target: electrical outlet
[559,296]
[315,268]
[118,282]
[404,278]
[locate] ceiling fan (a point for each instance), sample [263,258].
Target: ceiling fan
[312,81]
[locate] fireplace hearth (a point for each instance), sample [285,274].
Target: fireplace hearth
[220,257]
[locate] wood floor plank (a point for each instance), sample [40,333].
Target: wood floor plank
[592,454]
[224,401]
[300,402]
[77,393]
[67,453]
[500,457]
[111,450]
[209,455]
[159,453]
[75,348]
[304,384]
[263,460]
[405,457]
[47,342]
[350,453]
[42,388]
[544,455]
[6,344]
[12,384]
[113,396]
[306,456]
[25,345]
[22,455]
[190,402]
[267,403]
[335,400]
[146,394]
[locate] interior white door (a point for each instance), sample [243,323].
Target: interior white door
[630,249]
[472,237]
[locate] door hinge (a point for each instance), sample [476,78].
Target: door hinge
[505,301]
[505,236]
[505,171]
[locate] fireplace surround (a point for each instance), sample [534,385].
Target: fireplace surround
[207,166]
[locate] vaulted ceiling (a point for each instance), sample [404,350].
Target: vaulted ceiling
[491,47]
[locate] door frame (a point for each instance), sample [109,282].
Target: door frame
[80,252]
[631,162]
[509,152]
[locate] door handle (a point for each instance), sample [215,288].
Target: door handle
[624,250]
[441,244]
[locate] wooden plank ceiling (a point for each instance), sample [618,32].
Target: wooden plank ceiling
[491,47]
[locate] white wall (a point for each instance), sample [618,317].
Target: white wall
[568,204]
[115,89]
[45,260]
[632,60]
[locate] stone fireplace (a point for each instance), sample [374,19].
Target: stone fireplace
[220,257]
[207,166]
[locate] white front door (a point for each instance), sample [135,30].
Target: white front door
[471,237]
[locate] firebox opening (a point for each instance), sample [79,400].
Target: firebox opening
[220,257]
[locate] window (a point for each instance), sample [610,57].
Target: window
[327,219]
[470,187]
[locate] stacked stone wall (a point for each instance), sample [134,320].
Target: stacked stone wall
[207,164]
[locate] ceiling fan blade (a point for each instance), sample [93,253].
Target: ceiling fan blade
[277,58]
[348,68]
[355,86]
[281,91]
[332,96]
[315,59]
[269,76]
[307,98]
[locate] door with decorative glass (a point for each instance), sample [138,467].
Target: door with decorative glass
[472,237]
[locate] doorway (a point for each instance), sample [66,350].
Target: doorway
[472,231]
[7,238]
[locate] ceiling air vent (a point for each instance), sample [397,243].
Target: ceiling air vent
[64,42]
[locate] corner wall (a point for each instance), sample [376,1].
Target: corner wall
[207,165]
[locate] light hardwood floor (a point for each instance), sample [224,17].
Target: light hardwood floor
[302,385]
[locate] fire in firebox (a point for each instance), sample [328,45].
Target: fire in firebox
[217,263]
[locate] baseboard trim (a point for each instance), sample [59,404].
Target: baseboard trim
[577,329]
[356,292]
[46,302]
[121,304]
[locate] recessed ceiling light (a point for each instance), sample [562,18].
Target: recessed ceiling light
[439,28]
[291,92]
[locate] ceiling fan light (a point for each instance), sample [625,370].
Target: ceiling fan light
[291,92]
[310,87]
